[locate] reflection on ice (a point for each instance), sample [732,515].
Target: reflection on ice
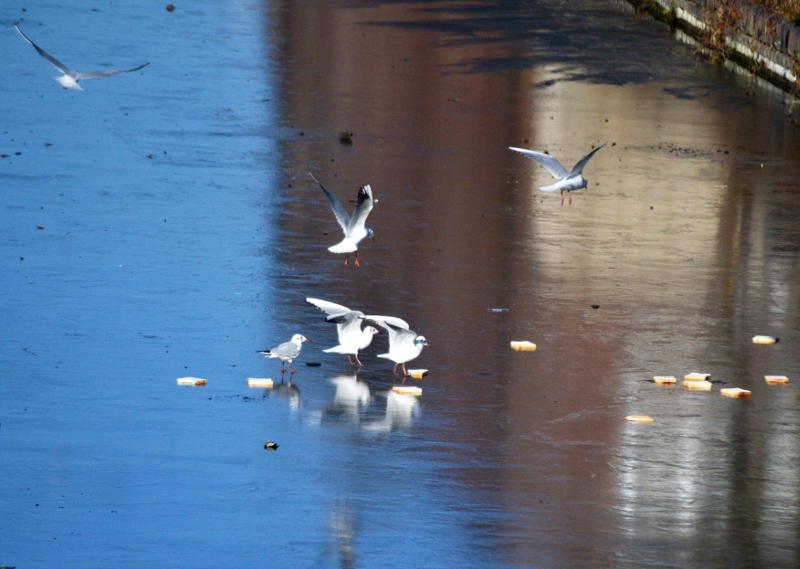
[343,532]
[351,397]
[352,401]
[351,394]
[401,410]
[290,391]
[675,468]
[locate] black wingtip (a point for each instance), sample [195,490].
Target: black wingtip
[364,193]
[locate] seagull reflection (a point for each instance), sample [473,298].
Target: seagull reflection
[288,390]
[343,531]
[351,394]
[401,410]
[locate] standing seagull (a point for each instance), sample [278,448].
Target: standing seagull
[404,344]
[353,226]
[352,337]
[287,352]
[567,181]
[71,77]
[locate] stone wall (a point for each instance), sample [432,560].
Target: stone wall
[749,34]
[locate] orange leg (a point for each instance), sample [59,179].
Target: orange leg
[356,263]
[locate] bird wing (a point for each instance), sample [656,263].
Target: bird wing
[330,308]
[53,61]
[348,322]
[95,74]
[363,206]
[285,350]
[376,320]
[553,166]
[578,168]
[338,209]
[399,335]
[348,326]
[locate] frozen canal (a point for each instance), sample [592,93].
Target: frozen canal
[162,224]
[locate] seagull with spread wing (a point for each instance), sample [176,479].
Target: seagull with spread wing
[567,180]
[404,343]
[353,225]
[70,77]
[352,338]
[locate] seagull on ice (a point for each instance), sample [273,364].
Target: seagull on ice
[404,344]
[567,180]
[287,351]
[352,337]
[353,225]
[70,77]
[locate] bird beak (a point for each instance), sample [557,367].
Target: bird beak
[427,344]
[306,340]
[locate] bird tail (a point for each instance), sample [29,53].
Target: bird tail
[551,187]
[345,246]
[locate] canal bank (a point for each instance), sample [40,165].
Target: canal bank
[751,35]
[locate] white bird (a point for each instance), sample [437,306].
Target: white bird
[287,351]
[70,77]
[353,225]
[567,181]
[352,337]
[404,344]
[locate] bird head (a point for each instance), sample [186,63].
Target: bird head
[371,330]
[421,341]
[299,338]
[370,233]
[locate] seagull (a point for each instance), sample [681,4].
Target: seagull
[287,351]
[353,225]
[567,181]
[70,77]
[404,343]
[352,337]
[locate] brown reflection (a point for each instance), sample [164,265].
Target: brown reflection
[680,239]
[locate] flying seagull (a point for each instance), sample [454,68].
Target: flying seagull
[404,344]
[353,225]
[567,180]
[287,351]
[352,337]
[70,77]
